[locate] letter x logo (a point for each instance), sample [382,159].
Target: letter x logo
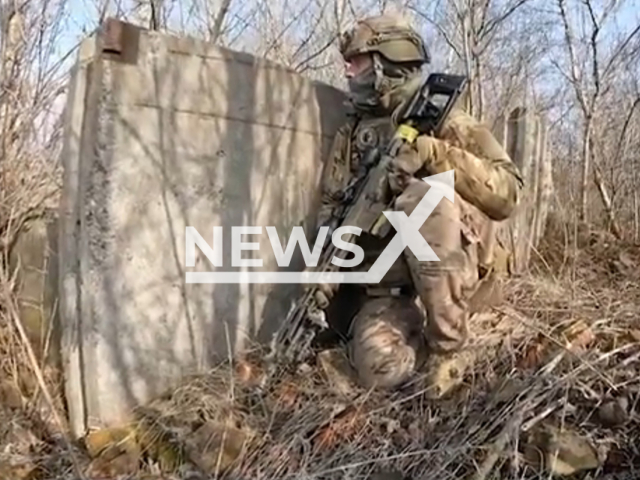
[442,185]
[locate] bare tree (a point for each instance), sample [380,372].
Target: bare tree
[473,31]
[591,68]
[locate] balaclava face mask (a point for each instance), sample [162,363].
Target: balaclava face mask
[372,91]
[362,90]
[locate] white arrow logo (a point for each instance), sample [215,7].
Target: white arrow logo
[408,235]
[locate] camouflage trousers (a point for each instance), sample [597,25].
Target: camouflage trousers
[392,335]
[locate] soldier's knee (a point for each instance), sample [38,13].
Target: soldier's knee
[387,342]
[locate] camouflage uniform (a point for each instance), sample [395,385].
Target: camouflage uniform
[392,333]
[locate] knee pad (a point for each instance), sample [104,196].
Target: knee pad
[387,342]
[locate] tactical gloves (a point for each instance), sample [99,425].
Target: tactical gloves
[402,169]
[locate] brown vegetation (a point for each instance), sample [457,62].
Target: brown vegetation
[558,373]
[556,387]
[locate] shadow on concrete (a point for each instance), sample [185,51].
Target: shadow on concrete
[283,297]
[227,180]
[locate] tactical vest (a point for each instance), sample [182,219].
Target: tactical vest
[368,134]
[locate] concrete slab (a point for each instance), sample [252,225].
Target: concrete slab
[33,263]
[164,133]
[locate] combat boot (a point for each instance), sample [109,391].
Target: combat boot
[443,372]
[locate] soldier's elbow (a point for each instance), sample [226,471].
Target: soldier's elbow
[500,210]
[502,203]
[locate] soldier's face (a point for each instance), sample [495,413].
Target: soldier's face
[356,65]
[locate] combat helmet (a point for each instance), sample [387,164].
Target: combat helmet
[398,54]
[388,35]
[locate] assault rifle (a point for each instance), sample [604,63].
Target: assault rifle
[362,204]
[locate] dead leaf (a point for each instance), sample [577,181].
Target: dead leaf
[340,428]
[159,445]
[23,440]
[574,454]
[635,335]
[285,456]
[22,471]
[287,394]
[304,369]
[111,441]
[563,452]
[248,373]
[624,264]
[613,413]
[579,336]
[416,431]
[532,357]
[115,452]
[10,395]
[616,457]
[27,383]
[391,425]
[154,476]
[488,294]
[214,447]
[626,260]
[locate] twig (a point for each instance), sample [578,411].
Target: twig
[497,447]
[541,416]
[566,349]
[385,459]
[40,377]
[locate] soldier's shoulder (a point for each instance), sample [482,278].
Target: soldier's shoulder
[460,123]
[460,116]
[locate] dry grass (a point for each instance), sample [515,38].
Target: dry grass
[563,348]
[557,353]
[31,414]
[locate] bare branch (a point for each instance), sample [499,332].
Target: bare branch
[219,20]
[574,74]
[625,127]
[494,23]
[442,32]
[618,52]
[594,52]
[313,56]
